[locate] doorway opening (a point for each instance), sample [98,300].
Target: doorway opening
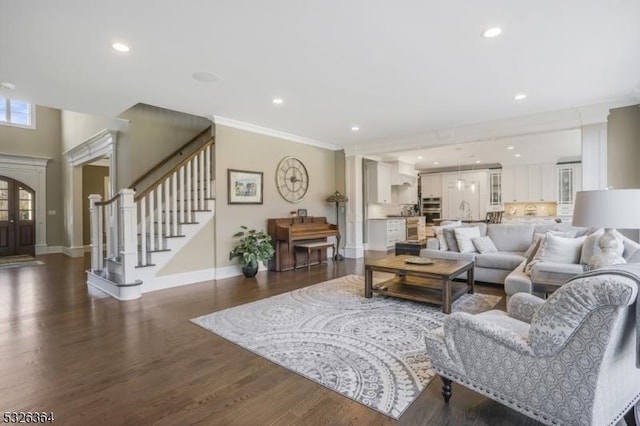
[17,218]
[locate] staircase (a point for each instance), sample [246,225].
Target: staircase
[144,230]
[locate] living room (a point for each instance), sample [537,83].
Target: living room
[402,88]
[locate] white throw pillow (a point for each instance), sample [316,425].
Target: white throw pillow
[556,249]
[464,238]
[439,232]
[484,244]
[590,247]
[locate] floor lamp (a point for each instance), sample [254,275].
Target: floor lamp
[337,198]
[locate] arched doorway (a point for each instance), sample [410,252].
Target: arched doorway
[17,218]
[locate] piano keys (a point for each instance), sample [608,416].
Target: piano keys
[285,232]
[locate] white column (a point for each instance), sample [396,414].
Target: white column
[129,254]
[95,222]
[594,156]
[354,215]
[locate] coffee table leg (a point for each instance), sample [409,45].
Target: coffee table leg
[368,282]
[470,280]
[446,297]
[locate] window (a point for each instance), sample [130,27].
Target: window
[17,113]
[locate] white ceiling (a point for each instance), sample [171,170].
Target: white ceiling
[392,68]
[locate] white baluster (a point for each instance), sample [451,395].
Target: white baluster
[152,216]
[157,241]
[174,203]
[166,210]
[189,192]
[201,180]
[183,196]
[208,171]
[143,230]
[95,231]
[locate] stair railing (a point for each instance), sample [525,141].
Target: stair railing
[138,224]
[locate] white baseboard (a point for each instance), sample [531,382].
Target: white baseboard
[73,251]
[353,252]
[176,280]
[44,249]
[234,271]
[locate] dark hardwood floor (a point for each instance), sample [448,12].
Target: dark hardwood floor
[96,361]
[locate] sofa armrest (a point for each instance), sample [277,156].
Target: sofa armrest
[522,306]
[433,244]
[508,332]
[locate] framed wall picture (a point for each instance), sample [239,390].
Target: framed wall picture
[245,187]
[302,212]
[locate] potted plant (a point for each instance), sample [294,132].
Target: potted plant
[253,246]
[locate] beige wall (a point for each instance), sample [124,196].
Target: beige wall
[197,255]
[623,148]
[244,150]
[78,127]
[43,141]
[92,183]
[154,134]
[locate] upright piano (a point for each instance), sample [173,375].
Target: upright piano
[285,232]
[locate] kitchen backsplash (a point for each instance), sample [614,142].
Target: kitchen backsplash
[530,209]
[383,210]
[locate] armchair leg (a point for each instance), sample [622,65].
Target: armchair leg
[446,389]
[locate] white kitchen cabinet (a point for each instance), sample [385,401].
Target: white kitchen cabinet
[406,194]
[528,183]
[541,182]
[495,189]
[569,181]
[378,183]
[431,185]
[465,203]
[383,234]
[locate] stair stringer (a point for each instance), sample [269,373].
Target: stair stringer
[149,274]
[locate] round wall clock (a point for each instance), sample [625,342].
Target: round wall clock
[292,179]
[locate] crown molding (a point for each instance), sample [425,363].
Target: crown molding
[7,160]
[99,145]
[566,119]
[229,122]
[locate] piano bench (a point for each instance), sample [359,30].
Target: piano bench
[309,247]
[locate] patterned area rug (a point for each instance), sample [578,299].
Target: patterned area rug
[369,350]
[20,260]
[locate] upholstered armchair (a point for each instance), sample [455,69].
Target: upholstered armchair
[567,360]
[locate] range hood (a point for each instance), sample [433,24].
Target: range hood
[403,174]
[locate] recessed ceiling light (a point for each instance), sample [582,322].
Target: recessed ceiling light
[509,147]
[436,163]
[492,32]
[205,76]
[478,161]
[419,157]
[277,101]
[517,155]
[355,128]
[7,86]
[121,47]
[520,96]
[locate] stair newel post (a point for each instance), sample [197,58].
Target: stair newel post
[129,254]
[95,232]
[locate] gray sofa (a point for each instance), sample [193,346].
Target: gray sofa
[511,240]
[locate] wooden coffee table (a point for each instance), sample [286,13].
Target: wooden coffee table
[423,283]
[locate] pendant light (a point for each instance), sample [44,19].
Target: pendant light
[460,181]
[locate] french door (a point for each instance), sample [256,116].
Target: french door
[17,218]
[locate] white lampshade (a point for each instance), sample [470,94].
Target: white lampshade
[613,208]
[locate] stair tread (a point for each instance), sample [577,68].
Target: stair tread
[148,265]
[113,277]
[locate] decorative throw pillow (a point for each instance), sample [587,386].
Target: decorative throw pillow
[556,249]
[464,236]
[631,251]
[439,232]
[539,236]
[450,236]
[590,247]
[484,244]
